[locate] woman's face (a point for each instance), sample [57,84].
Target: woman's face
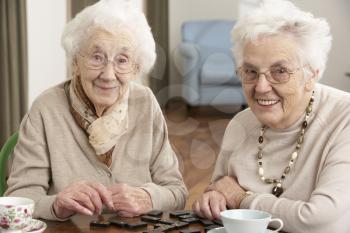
[276,105]
[105,65]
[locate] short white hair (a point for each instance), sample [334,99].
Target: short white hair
[277,17]
[111,15]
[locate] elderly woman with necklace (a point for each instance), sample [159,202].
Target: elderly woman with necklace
[288,154]
[99,139]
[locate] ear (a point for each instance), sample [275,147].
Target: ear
[75,67]
[312,79]
[136,71]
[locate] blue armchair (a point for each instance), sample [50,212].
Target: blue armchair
[206,64]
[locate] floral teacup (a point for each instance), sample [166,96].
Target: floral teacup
[15,213]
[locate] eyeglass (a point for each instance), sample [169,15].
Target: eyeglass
[275,75]
[122,64]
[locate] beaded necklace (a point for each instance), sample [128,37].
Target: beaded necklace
[277,190]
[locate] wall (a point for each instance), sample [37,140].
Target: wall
[338,15]
[183,10]
[46,59]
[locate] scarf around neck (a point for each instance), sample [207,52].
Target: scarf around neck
[103,132]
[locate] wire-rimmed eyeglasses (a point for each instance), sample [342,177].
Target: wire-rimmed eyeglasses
[277,74]
[122,64]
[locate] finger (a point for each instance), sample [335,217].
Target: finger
[75,206]
[104,194]
[123,205]
[83,199]
[131,199]
[120,203]
[204,206]
[222,204]
[196,209]
[214,207]
[95,199]
[87,196]
[123,198]
[120,199]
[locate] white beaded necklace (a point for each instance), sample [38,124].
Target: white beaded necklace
[277,190]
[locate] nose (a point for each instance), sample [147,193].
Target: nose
[108,73]
[262,85]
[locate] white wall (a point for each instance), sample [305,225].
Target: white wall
[337,13]
[46,59]
[183,10]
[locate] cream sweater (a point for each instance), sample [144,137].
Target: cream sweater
[53,151]
[317,190]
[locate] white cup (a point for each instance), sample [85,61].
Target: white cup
[247,221]
[15,213]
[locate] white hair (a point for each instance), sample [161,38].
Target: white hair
[111,15]
[276,17]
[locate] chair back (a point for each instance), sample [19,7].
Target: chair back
[6,150]
[208,33]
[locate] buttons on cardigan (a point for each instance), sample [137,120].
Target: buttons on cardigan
[109,174]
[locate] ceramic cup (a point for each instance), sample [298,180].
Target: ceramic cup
[247,221]
[15,213]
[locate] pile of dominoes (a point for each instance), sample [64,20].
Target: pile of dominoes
[178,220]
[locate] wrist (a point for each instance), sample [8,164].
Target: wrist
[241,197]
[148,200]
[61,213]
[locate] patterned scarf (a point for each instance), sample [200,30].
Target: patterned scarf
[104,131]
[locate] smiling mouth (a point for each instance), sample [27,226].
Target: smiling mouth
[105,87]
[265,102]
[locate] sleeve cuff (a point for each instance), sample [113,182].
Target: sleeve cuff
[251,201]
[247,201]
[44,209]
[162,198]
[154,192]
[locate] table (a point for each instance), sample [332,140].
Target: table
[80,223]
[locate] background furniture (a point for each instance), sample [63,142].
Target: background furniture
[4,154]
[205,61]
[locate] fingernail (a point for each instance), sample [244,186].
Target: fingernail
[88,212]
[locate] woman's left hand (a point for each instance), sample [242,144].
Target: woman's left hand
[130,201]
[231,190]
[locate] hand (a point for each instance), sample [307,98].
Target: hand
[231,190]
[209,205]
[82,197]
[130,201]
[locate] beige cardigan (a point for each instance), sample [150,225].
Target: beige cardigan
[317,190]
[53,151]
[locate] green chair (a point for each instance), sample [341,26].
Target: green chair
[4,154]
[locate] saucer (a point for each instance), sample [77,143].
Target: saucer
[222,230]
[35,226]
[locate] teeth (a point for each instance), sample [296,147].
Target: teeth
[267,102]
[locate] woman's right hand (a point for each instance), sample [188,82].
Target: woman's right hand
[82,197]
[209,205]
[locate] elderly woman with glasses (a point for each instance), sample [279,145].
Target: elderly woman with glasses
[289,152]
[99,139]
